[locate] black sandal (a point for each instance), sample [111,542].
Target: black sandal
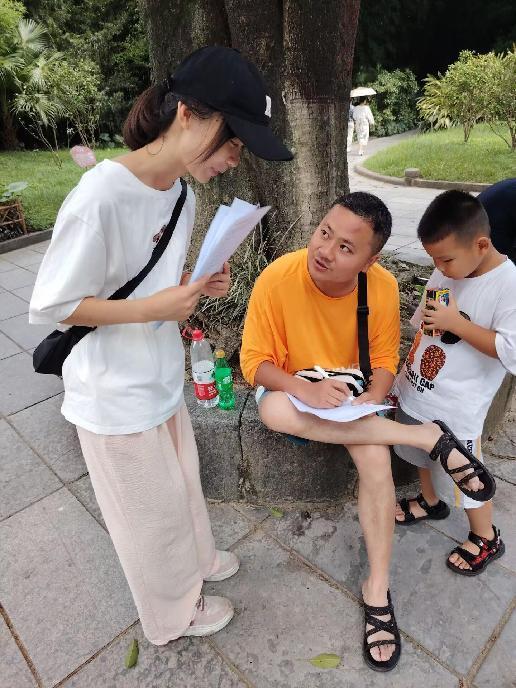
[390,626]
[436,513]
[489,551]
[444,445]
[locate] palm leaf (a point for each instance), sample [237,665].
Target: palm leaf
[32,36]
[36,106]
[10,66]
[39,69]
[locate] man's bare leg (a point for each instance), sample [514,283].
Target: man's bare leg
[376,503]
[279,414]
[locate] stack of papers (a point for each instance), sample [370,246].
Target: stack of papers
[228,229]
[342,414]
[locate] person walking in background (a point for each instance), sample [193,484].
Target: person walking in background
[351,126]
[364,119]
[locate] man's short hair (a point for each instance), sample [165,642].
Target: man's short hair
[453,212]
[373,210]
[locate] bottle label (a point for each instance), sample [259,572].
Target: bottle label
[205,391]
[224,380]
[204,383]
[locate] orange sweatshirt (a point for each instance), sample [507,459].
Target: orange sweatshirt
[292,324]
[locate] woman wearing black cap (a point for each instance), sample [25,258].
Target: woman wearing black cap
[124,380]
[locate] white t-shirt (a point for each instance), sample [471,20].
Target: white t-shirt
[118,379]
[455,382]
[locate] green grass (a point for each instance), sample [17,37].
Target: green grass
[443,155]
[48,183]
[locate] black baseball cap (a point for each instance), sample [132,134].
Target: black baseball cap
[229,83]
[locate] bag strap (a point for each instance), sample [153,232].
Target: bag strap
[363,332]
[128,288]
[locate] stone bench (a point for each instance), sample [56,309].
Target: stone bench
[242,460]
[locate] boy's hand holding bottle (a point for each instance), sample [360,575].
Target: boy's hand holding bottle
[439,316]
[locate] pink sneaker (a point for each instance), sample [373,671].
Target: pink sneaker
[211,615]
[226,565]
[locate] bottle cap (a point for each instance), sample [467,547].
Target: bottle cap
[197,335]
[220,353]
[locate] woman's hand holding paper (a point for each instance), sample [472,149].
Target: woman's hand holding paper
[219,283]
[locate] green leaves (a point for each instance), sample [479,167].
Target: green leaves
[12,190]
[275,512]
[474,88]
[326,660]
[131,658]
[394,106]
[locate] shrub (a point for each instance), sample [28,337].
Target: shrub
[501,96]
[394,106]
[474,88]
[75,86]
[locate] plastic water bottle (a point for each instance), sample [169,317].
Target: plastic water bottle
[203,371]
[224,381]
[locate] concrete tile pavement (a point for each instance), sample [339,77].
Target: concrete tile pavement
[296,595]
[68,618]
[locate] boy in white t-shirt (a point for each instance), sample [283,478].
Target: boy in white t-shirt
[454,377]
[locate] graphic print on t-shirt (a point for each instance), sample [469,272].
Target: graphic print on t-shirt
[432,361]
[159,234]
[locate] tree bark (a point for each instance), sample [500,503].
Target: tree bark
[304,48]
[8,138]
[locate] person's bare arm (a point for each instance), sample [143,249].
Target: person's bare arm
[174,303]
[378,389]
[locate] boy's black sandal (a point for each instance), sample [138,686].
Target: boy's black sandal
[489,551]
[390,626]
[444,445]
[436,513]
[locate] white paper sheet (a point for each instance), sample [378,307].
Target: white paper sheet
[230,226]
[342,414]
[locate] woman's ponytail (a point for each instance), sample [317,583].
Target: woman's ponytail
[154,111]
[148,117]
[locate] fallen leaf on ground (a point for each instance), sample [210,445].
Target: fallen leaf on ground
[131,658]
[275,512]
[325,660]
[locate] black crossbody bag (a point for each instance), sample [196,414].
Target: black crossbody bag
[51,353]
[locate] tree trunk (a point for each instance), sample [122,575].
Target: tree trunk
[8,139]
[304,49]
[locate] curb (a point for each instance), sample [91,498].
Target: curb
[241,460]
[25,240]
[422,183]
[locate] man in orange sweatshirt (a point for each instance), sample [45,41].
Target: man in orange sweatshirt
[303,312]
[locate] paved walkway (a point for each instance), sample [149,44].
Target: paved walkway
[406,204]
[68,617]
